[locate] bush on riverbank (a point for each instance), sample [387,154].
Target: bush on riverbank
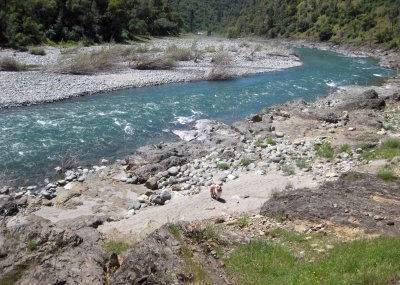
[37,51]
[89,62]
[11,64]
[147,62]
[221,63]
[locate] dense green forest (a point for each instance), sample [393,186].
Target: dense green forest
[30,22]
[361,21]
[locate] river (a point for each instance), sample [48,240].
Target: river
[35,139]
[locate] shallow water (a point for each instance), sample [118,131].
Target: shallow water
[33,140]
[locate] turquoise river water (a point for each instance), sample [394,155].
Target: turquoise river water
[33,140]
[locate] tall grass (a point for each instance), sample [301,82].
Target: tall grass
[88,62]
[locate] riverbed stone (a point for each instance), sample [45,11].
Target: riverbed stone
[136,205]
[152,183]
[63,196]
[173,171]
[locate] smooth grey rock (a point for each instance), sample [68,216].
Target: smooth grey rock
[165,195]
[152,183]
[173,171]
[276,159]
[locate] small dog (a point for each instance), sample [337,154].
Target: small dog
[216,191]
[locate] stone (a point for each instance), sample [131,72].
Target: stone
[255,119]
[166,195]
[276,159]
[151,183]
[260,172]
[132,180]
[143,198]
[63,196]
[351,129]
[50,186]
[44,193]
[8,207]
[4,190]
[136,205]
[279,134]
[131,212]
[370,94]
[173,171]
[231,177]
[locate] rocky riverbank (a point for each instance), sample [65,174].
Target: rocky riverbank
[194,61]
[293,148]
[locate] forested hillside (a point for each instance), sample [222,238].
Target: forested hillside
[361,21]
[30,22]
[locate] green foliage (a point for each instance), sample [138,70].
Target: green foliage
[288,169]
[243,221]
[12,277]
[270,141]
[11,64]
[345,148]
[32,245]
[324,150]
[211,231]
[117,247]
[302,163]
[194,267]
[174,230]
[363,22]
[245,161]
[24,23]
[372,261]
[388,150]
[275,192]
[386,174]
[223,166]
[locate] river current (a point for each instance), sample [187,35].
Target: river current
[33,140]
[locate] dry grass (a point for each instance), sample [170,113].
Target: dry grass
[179,54]
[221,63]
[147,62]
[11,64]
[37,51]
[89,62]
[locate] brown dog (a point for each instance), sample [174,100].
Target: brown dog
[216,191]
